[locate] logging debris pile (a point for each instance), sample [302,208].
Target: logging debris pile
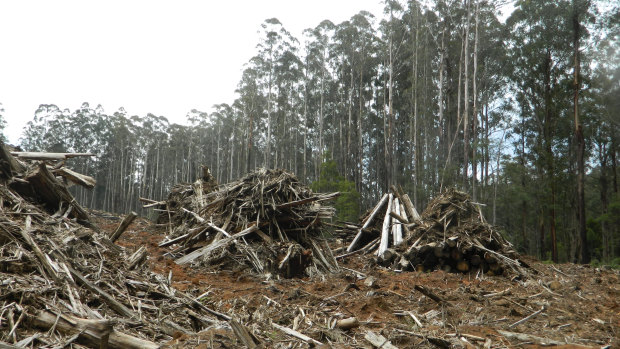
[451,234]
[267,221]
[63,282]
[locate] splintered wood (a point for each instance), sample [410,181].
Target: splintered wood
[450,235]
[267,219]
[63,284]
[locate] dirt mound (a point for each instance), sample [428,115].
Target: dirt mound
[267,221]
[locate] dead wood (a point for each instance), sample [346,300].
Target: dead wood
[79,276]
[450,235]
[243,334]
[378,341]
[92,333]
[267,218]
[75,177]
[48,156]
[123,226]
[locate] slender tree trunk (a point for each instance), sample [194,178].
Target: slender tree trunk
[305,140]
[390,152]
[414,93]
[475,111]
[250,132]
[581,202]
[441,130]
[268,147]
[523,186]
[458,99]
[466,100]
[549,158]
[321,118]
[360,150]
[486,145]
[232,149]
[614,166]
[607,240]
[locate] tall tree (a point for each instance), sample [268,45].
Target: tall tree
[578,8]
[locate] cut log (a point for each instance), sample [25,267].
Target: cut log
[368,222]
[411,211]
[385,231]
[123,226]
[46,187]
[77,178]
[8,164]
[48,156]
[397,230]
[296,334]
[92,333]
[348,323]
[137,258]
[462,266]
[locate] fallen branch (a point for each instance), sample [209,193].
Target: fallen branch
[296,334]
[367,223]
[430,295]
[106,297]
[48,156]
[527,317]
[93,333]
[123,226]
[243,334]
[529,338]
[218,244]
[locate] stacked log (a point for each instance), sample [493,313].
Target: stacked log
[267,218]
[450,234]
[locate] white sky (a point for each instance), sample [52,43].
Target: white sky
[160,57]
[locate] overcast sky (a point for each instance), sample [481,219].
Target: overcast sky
[160,57]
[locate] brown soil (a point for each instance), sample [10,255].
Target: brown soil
[581,303]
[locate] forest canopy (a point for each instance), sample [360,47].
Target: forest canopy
[520,113]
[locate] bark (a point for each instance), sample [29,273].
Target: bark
[48,156]
[607,239]
[581,202]
[466,100]
[549,158]
[268,148]
[92,333]
[442,66]
[123,226]
[475,107]
[414,92]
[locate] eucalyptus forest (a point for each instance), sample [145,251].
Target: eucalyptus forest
[520,110]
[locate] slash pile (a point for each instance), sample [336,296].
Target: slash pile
[63,282]
[267,220]
[450,234]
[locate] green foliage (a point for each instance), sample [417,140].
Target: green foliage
[347,204]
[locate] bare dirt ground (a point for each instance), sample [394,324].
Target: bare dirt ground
[566,305]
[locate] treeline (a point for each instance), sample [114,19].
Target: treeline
[523,115]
